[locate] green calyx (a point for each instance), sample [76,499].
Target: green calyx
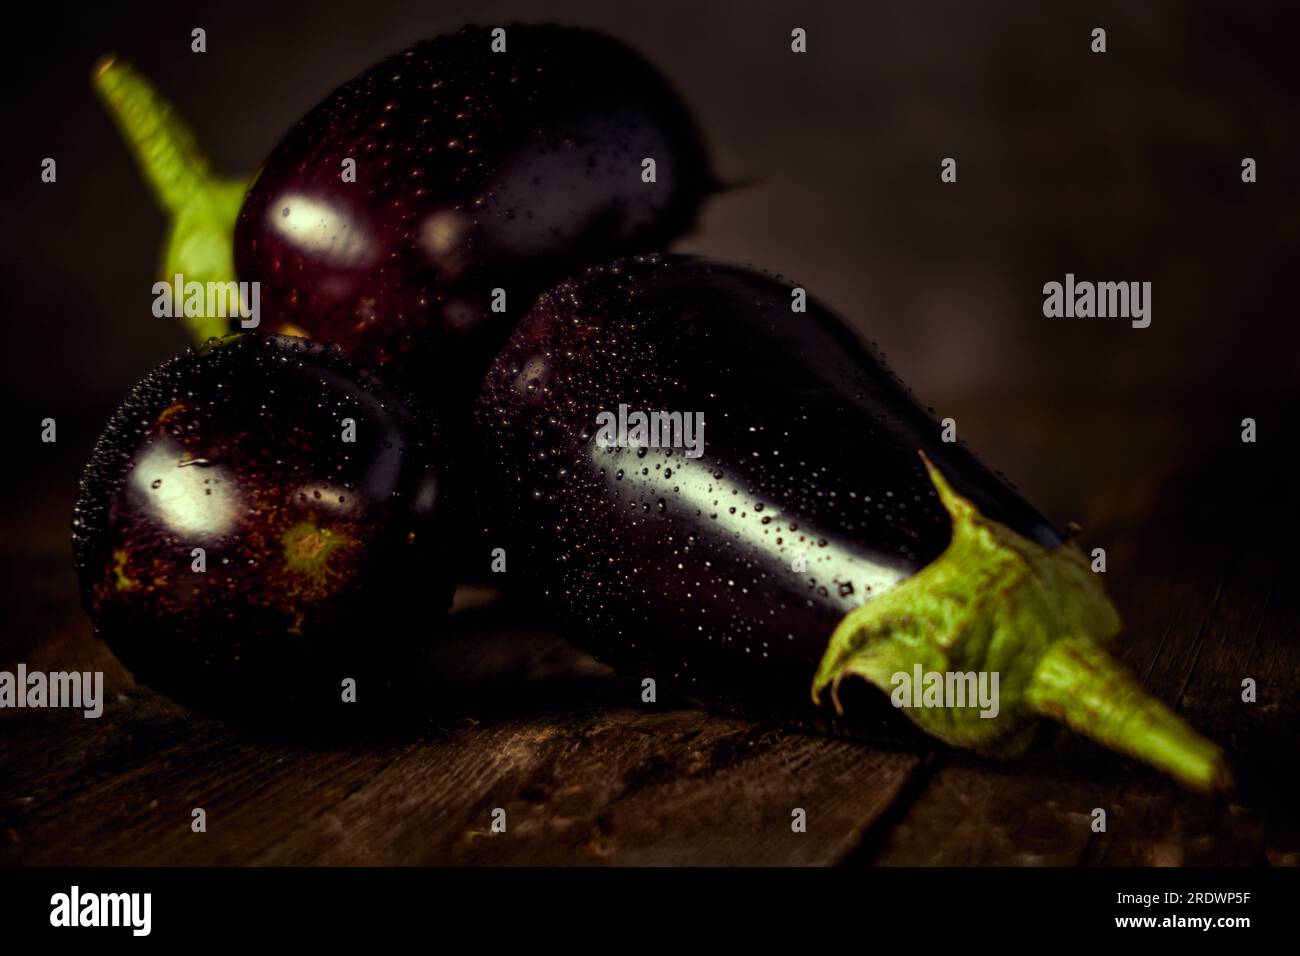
[996,603]
[201,207]
[307,547]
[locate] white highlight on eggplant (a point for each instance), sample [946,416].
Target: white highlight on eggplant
[697,489]
[322,229]
[191,496]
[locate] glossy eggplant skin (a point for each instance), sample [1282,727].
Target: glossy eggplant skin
[319,554]
[720,576]
[475,171]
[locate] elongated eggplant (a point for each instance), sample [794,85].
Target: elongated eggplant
[475,170]
[387,217]
[790,518]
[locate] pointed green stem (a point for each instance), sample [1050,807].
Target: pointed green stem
[201,207]
[996,603]
[1080,685]
[163,146]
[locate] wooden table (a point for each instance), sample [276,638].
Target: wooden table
[1199,533]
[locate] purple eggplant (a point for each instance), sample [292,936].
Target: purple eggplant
[741,501]
[475,170]
[260,522]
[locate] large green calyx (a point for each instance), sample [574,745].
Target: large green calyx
[997,603]
[201,207]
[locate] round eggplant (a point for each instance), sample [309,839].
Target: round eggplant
[258,525]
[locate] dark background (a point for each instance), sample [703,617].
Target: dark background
[1117,166]
[1122,166]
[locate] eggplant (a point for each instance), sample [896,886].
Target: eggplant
[475,170]
[261,520]
[821,530]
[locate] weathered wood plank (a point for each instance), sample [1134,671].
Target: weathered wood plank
[612,785]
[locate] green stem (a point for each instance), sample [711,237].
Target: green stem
[201,207]
[163,146]
[1080,685]
[996,603]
